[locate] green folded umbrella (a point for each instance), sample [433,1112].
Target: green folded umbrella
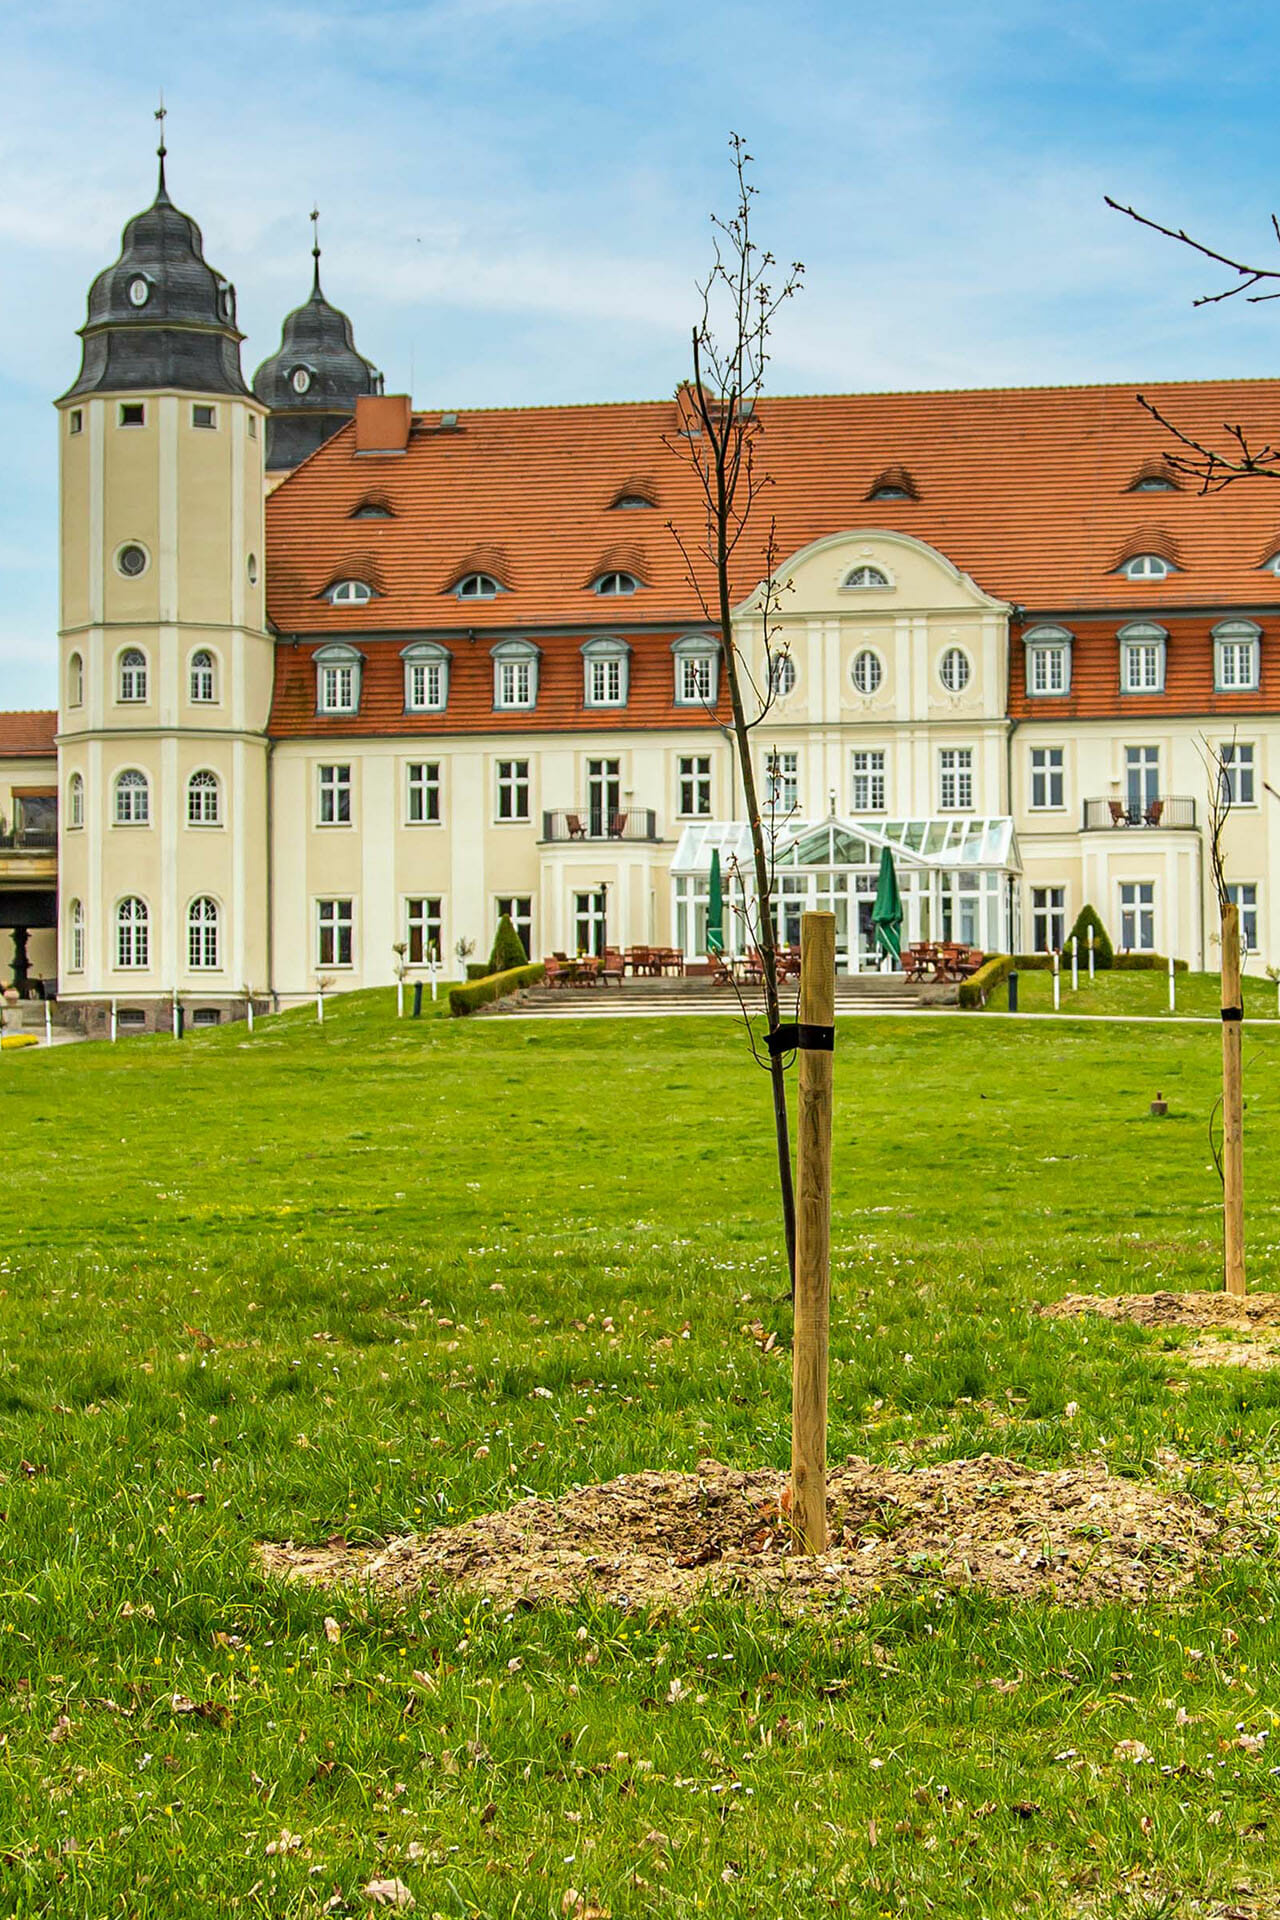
[715,907]
[886,915]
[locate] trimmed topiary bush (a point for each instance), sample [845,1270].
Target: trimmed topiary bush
[481,993]
[1103,952]
[975,991]
[508,948]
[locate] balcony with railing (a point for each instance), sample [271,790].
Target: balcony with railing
[1167,811]
[29,840]
[594,824]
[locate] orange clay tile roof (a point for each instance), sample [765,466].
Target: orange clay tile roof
[1188,682]
[1028,490]
[27,735]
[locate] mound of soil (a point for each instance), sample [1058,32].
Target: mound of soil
[1172,1309]
[1074,1535]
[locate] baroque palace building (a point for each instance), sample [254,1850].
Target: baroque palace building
[339,677]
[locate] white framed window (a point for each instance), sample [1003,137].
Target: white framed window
[349,593]
[782,782]
[1236,757]
[477,586]
[1047,778]
[132,799]
[75,801]
[868,780]
[1244,894]
[1048,919]
[1142,784]
[515,675]
[955,779]
[204,799]
[782,676]
[338,670]
[424,793]
[695,786]
[202,935]
[615,583]
[697,665]
[203,681]
[518,908]
[335,794]
[75,680]
[864,578]
[606,673]
[513,789]
[1138,916]
[131,685]
[426,677]
[75,945]
[867,670]
[424,928]
[335,921]
[1048,655]
[1235,656]
[954,670]
[132,933]
[1142,657]
[1147,566]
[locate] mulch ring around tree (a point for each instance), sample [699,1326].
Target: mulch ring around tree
[1075,1535]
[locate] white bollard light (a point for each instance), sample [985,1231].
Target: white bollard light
[320,1008]
[48,1025]
[1091,953]
[113,1020]
[1075,963]
[1173,1008]
[399,996]
[1057,983]
[249,1008]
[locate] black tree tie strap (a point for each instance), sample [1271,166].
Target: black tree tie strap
[790,1036]
[1233,1013]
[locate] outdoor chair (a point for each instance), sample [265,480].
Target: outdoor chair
[1118,814]
[576,829]
[1153,813]
[617,825]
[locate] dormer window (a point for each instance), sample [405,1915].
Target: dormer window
[697,664]
[1235,656]
[606,672]
[628,502]
[893,483]
[615,583]
[426,677]
[1048,661]
[515,675]
[1142,653]
[1147,566]
[862,578]
[338,679]
[1153,483]
[477,586]
[349,593]
[1273,564]
[888,493]
[371,509]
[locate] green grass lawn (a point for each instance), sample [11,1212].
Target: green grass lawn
[354,1280]
[1137,993]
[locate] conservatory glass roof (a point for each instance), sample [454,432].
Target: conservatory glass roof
[946,841]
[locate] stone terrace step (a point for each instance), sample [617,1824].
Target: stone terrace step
[856,993]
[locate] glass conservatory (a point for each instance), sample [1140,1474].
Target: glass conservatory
[957,874]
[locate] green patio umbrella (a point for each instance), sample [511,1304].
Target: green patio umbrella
[886,915]
[715,907]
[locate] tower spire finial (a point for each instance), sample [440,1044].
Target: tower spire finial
[162,114]
[315,251]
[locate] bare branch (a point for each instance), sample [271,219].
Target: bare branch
[1249,276]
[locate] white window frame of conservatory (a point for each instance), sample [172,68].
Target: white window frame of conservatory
[700,647]
[603,650]
[335,657]
[425,654]
[1048,640]
[514,653]
[1142,633]
[1237,633]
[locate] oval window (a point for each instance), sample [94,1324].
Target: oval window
[868,671]
[132,560]
[139,291]
[954,670]
[301,380]
[783,675]
[251,567]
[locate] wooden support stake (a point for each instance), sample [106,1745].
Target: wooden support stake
[1232,1105]
[809,1364]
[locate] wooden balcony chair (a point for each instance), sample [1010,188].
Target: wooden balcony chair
[617,825]
[573,821]
[1118,813]
[1153,813]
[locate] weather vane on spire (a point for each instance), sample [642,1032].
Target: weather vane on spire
[162,114]
[315,246]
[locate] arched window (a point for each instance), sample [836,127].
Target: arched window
[631,501]
[954,670]
[132,932]
[611,583]
[515,674]
[349,593]
[606,666]
[204,799]
[203,680]
[426,677]
[1048,660]
[133,674]
[75,951]
[866,577]
[75,800]
[1235,656]
[202,934]
[338,679]
[868,671]
[1147,566]
[75,681]
[1142,655]
[477,586]
[133,799]
[697,664]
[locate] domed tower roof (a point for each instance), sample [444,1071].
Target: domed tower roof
[161,316]
[312,382]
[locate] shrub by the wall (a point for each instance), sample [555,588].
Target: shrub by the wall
[508,948]
[1103,952]
[481,993]
[975,990]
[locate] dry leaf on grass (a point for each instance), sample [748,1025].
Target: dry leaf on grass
[390,1893]
[332,1631]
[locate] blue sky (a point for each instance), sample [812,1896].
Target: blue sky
[515,195]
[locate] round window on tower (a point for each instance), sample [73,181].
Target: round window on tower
[139,291]
[132,560]
[300,379]
[251,566]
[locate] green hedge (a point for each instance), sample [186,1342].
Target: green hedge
[481,993]
[1144,963]
[974,990]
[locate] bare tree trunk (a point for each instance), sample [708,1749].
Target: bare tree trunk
[1232,1104]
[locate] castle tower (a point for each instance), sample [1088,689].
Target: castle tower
[165,661]
[313,380]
